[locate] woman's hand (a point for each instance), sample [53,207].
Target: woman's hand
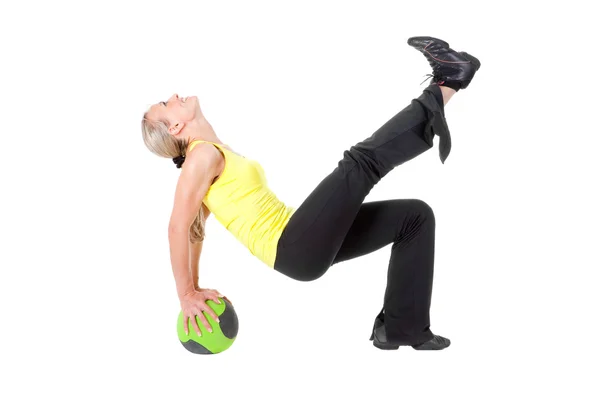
[194,303]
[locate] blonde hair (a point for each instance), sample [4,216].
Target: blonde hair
[160,142]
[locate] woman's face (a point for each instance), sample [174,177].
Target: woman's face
[176,110]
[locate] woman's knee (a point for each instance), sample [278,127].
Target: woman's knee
[306,272]
[423,209]
[312,272]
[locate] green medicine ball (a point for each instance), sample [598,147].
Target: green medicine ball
[222,336]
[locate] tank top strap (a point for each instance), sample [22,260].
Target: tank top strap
[195,142]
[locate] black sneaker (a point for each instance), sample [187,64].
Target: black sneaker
[379,338]
[448,65]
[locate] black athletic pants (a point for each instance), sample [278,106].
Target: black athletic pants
[334,223]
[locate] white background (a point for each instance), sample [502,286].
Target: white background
[88,302]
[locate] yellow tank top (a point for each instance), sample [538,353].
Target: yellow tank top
[242,202]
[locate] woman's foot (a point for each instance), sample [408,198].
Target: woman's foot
[450,68]
[379,339]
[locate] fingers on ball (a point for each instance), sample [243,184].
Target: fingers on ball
[196,327]
[205,322]
[212,313]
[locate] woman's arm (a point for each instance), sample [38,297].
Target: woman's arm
[193,184]
[196,250]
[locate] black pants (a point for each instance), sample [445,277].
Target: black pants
[334,223]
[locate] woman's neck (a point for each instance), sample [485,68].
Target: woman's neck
[201,129]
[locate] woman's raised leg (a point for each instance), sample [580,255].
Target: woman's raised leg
[316,231]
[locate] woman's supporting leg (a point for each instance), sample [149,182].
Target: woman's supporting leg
[410,226]
[314,235]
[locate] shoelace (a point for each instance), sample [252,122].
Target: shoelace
[428,76]
[435,77]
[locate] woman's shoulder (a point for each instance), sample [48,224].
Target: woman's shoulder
[204,157]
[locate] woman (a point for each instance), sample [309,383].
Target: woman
[334,223]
